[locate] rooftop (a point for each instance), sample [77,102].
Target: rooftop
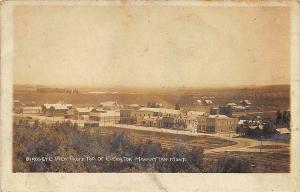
[161,110]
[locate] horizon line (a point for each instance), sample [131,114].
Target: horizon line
[150,87]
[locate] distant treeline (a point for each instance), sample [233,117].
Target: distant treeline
[66,140]
[57,90]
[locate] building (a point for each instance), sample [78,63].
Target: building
[214,111]
[104,116]
[168,122]
[231,104]
[32,110]
[245,102]
[195,114]
[216,124]
[154,104]
[182,122]
[155,112]
[134,106]
[109,106]
[56,109]
[20,121]
[207,102]
[17,106]
[81,113]
[152,121]
[238,108]
[225,110]
[91,124]
[127,116]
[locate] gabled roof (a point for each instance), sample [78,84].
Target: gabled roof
[208,101]
[245,101]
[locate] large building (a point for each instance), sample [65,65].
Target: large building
[217,124]
[81,113]
[104,116]
[146,112]
[56,109]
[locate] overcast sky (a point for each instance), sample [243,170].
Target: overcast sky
[150,46]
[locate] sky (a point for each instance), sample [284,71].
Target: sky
[151,46]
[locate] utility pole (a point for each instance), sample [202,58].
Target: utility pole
[261,140]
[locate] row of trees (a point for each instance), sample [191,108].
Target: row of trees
[267,130]
[65,139]
[283,119]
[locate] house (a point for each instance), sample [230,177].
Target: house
[109,105]
[207,102]
[104,116]
[245,102]
[56,109]
[32,110]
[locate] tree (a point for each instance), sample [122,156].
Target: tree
[177,106]
[278,117]
[228,164]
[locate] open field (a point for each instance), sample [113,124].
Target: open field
[272,98]
[167,140]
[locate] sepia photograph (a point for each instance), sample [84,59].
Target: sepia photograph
[149,92]
[150,87]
